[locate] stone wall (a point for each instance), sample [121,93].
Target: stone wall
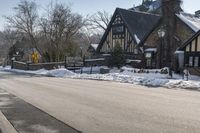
[29,66]
[19,65]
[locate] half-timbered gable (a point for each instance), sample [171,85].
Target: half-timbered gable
[192,51]
[118,33]
[127,28]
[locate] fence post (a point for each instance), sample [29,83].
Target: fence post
[83,64]
[83,60]
[81,70]
[12,63]
[27,65]
[91,69]
[74,67]
[65,61]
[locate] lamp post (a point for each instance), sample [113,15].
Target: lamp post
[161,34]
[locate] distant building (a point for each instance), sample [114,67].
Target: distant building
[92,48]
[23,51]
[91,51]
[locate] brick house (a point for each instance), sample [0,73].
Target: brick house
[137,32]
[127,27]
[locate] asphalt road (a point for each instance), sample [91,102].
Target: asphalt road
[108,107]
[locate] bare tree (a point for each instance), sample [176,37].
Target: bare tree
[25,20]
[54,34]
[99,20]
[58,28]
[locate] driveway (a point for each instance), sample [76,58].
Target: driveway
[109,107]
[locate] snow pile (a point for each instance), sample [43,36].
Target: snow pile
[191,84]
[155,80]
[151,78]
[38,72]
[60,73]
[5,68]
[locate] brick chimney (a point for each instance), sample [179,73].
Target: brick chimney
[169,10]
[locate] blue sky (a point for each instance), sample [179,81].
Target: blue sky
[85,7]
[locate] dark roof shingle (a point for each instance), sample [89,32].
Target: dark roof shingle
[139,23]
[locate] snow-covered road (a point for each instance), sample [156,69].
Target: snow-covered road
[110,107]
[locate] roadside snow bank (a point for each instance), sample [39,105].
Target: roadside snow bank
[191,84]
[140,80]
[129,75]
[38,72]
[60,73]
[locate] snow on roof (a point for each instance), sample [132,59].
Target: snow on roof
[151,50]
[179,52]
[129,61]
[99,59]
[137,39]
[191,20]
[94,46]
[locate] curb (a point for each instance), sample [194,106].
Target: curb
[5,125]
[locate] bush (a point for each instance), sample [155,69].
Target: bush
[117,57]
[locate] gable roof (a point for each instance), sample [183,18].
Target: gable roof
[191,20]
[190,40]
[137,23]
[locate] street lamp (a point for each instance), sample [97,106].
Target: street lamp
[161,34]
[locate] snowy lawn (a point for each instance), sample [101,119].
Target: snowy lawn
[151,78]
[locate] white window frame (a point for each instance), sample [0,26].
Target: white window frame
[196,61]
[191,61]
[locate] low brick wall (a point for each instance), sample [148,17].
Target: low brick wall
[19,65]
[194,71]
[47,66]
[29,66]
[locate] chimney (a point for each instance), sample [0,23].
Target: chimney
[169,10]
[171,6]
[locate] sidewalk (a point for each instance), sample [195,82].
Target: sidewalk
[27,118]
[5,125]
